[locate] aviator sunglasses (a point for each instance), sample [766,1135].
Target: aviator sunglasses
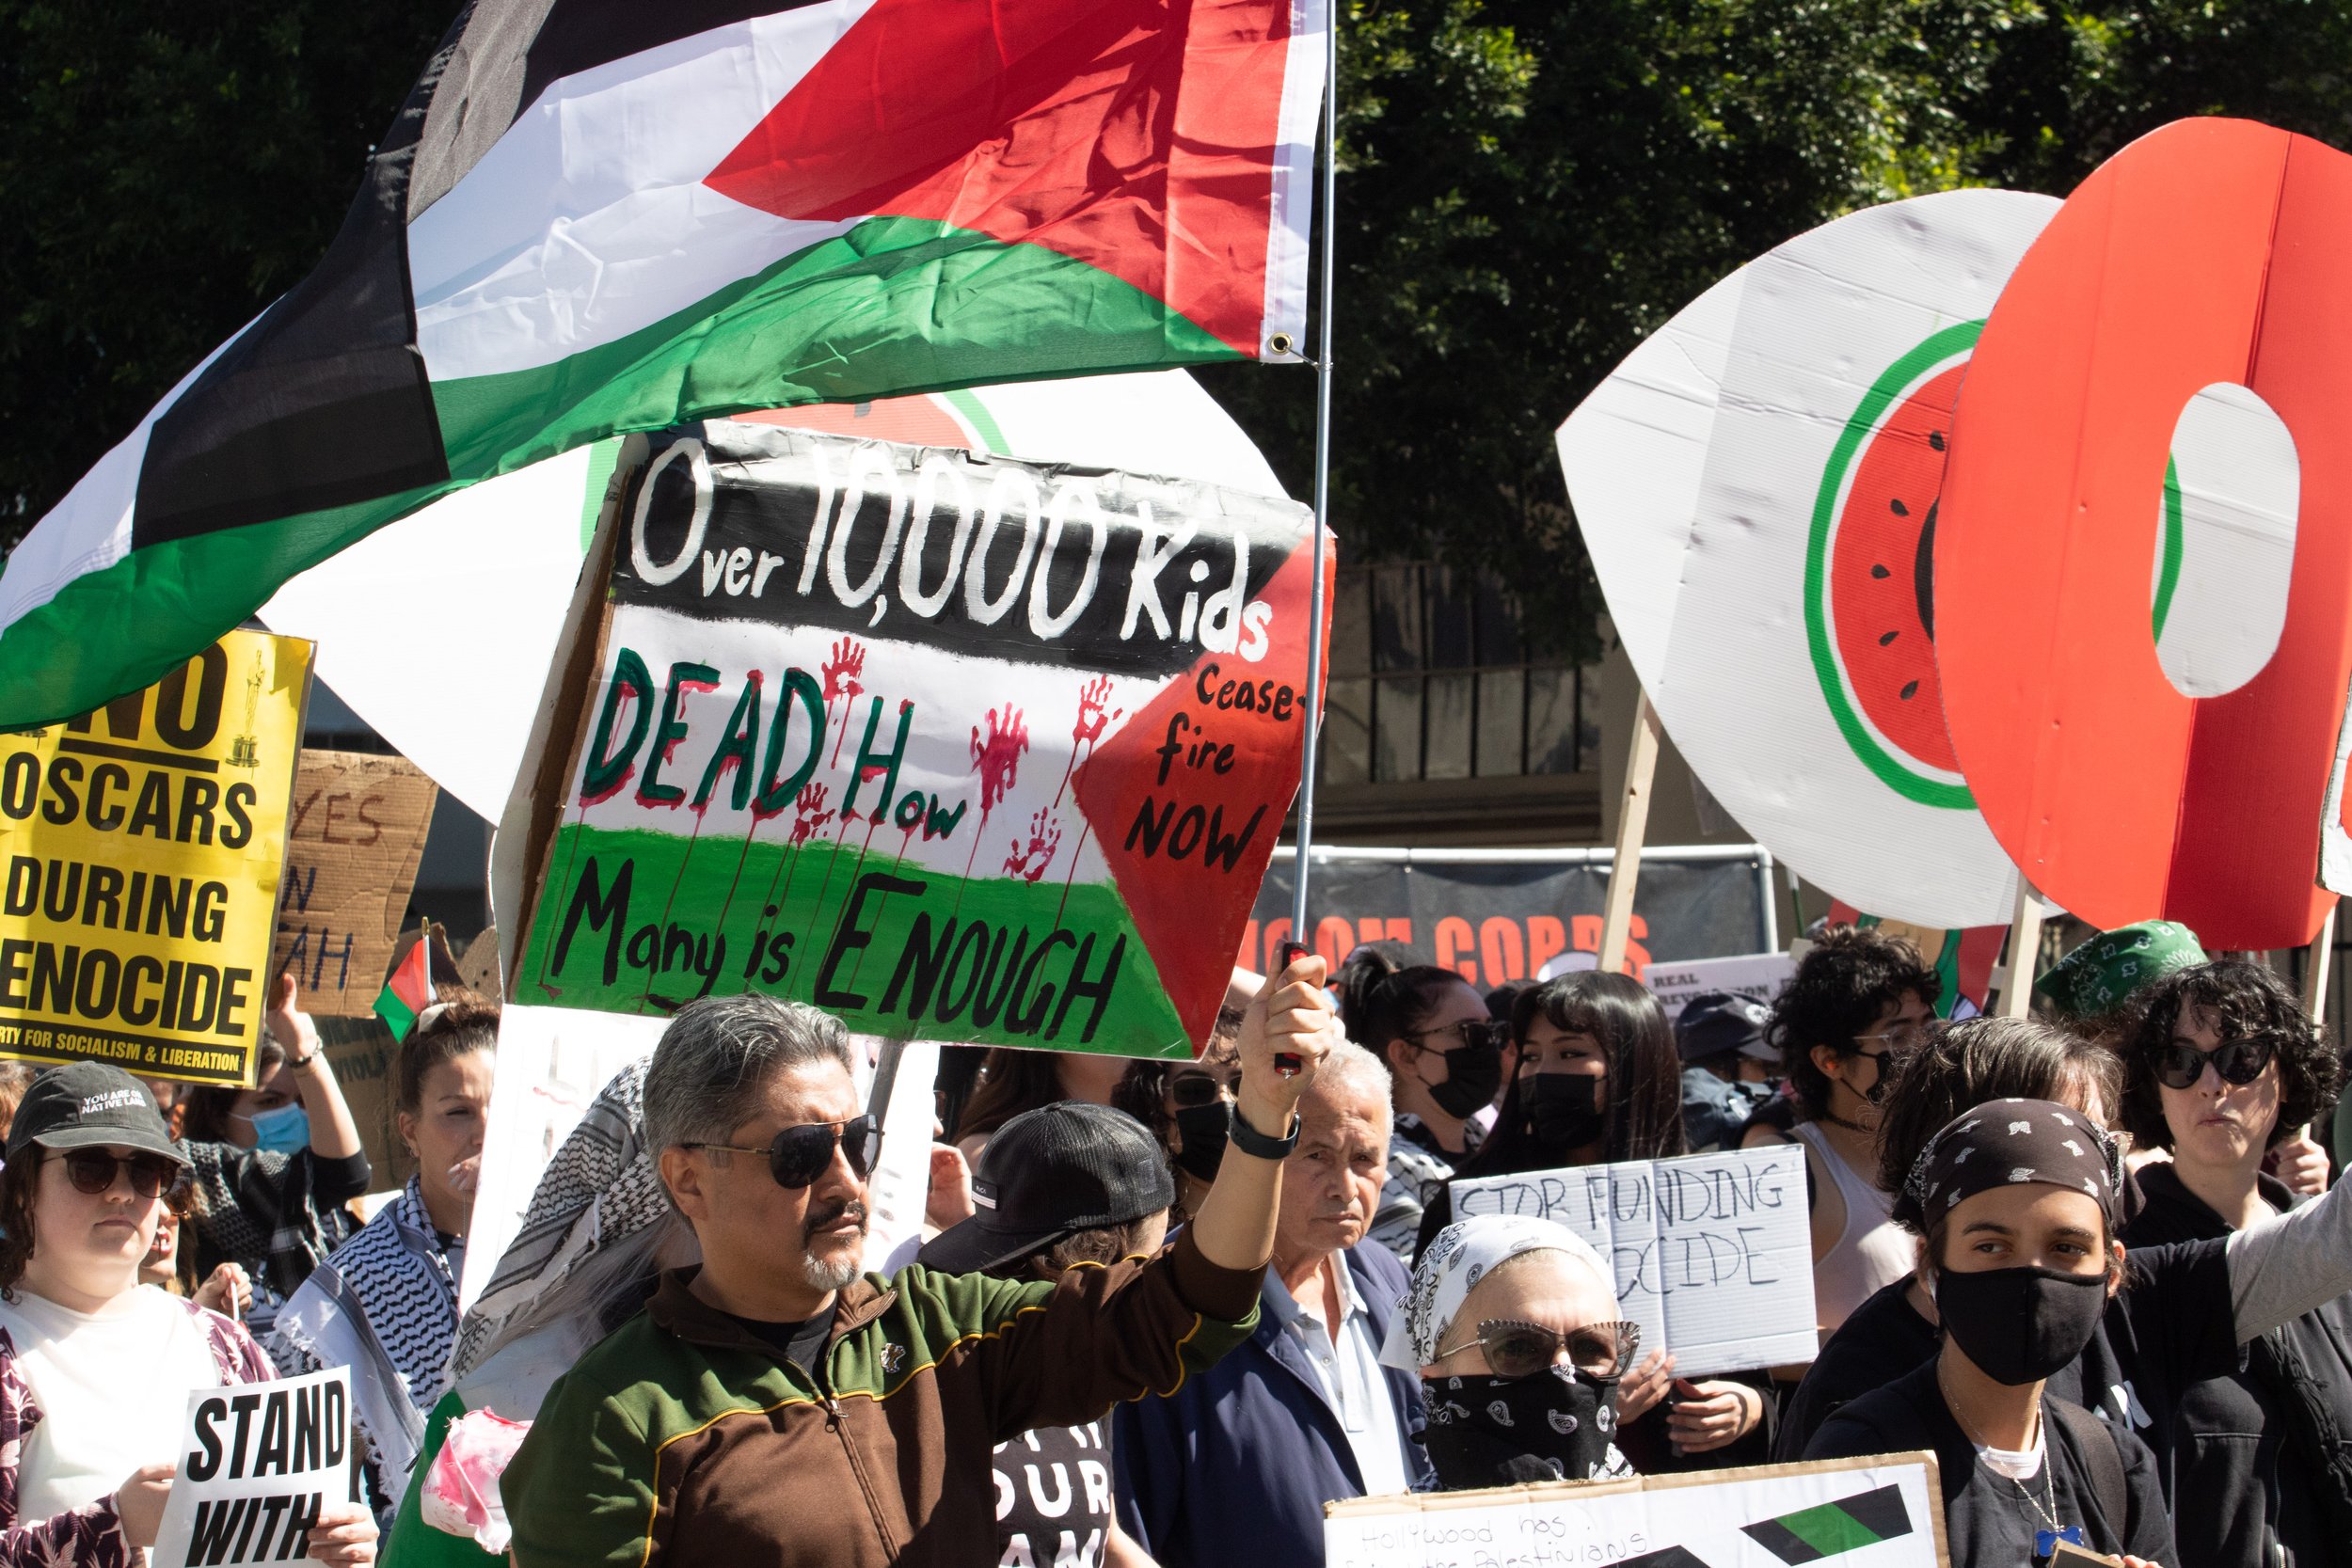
[1492,1034]
[799,1155]
[1604,1350]
[1192,1090]
[92,1172]
[2239,1061]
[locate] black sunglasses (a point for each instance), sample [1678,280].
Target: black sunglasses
[93,1172]
[1191,1091]
[799,1155]
[1474,1033]
[1604,1350]
[2239,1061]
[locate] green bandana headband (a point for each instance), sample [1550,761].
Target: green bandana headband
[2098,977]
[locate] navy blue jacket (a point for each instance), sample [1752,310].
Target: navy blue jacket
[1235,1465]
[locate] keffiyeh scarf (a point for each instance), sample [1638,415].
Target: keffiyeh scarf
[1457,1258]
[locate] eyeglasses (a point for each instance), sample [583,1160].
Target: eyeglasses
[1191,1091]
[93,1172]
[1602,1349]
[1490,1033]
[799,1155]
[2239,1061]
[1898,1039]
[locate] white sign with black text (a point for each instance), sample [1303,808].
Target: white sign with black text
[1713,1252]
[259,1464]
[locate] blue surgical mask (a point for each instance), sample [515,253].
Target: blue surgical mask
[284,1131]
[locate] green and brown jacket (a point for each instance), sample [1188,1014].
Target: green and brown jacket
[684,1439]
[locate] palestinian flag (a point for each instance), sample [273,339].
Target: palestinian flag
[409,991]
[589,218]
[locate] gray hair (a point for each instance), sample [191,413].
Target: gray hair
[1351,1069]
[717,1056]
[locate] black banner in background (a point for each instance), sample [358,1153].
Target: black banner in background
[1502,919]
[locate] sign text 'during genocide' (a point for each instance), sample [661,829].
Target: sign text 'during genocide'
[954,746]
[140,849]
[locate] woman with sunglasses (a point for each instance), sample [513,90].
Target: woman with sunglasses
[96,1367]
[1512,1327]
[385,1303]
[1444,1056]
[1188,1107]
[2222,1066]
[1599,1079]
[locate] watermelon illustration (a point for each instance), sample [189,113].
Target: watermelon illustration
[1869,571]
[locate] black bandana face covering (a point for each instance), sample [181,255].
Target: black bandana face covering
[1554,1425]
[1562,1108]
[1205,1128]
[2020,1325]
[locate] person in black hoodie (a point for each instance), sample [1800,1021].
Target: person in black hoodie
[2222,1065]
[2016,1205]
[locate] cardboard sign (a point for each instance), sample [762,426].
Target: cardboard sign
[1714,1252]
[352,846]
[259,1464]
[1881,1512]
[142,846]
[2208,253]
[953,747]
[1758,976]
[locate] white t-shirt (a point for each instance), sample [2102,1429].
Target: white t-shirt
[113,1389]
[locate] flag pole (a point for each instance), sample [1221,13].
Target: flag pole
[1317,608]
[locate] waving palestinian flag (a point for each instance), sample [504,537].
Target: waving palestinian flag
[592,217]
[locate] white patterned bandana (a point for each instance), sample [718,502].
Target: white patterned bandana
[1455,1260]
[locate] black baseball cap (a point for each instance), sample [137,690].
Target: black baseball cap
[1048,1174]
[90,1105]
[1714,1021]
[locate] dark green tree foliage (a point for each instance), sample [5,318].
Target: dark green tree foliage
[167,169]
[1528,186]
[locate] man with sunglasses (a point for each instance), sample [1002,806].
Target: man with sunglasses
[773,1406]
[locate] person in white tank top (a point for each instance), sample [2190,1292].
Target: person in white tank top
[96,1367]
[1860,1002]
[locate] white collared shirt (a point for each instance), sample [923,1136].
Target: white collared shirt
[1349,1378]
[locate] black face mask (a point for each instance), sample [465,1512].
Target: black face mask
[1562,1108]
[1205,1128]
[1500,1432]
[1472,1073]
[2020,1325]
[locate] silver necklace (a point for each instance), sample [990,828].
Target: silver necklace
[2049,1488]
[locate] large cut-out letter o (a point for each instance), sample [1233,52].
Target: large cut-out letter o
[2212,250]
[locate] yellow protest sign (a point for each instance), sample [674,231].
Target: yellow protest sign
[140,851]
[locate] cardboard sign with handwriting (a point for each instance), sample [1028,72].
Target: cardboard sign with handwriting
[1713,1252]
[353,841]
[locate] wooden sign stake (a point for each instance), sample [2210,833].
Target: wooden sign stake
[1625,870]
[2316,960]
[2024,948]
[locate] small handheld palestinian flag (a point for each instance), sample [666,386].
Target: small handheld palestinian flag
[409,991]
[589,219]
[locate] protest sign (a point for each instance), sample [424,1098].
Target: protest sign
[1885,1511]
[1714,1252]
[2117,792]
[142,847]
[1758,976]
[1498,915]
[259,1464]
[352,844]
[953,747]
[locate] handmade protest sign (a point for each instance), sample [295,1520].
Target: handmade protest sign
[1714,1252]
[142,847]
[1889,1506]
[953,746]
[353,842]
[2208,254]
[259,1464]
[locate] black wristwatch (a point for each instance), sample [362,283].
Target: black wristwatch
[1256,1144]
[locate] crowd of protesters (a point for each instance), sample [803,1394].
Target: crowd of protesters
[1167,1312]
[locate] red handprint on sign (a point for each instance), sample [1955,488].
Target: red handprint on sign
[998,758]
[810,807]
[1028,862]
[841,671]
[1094,711]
